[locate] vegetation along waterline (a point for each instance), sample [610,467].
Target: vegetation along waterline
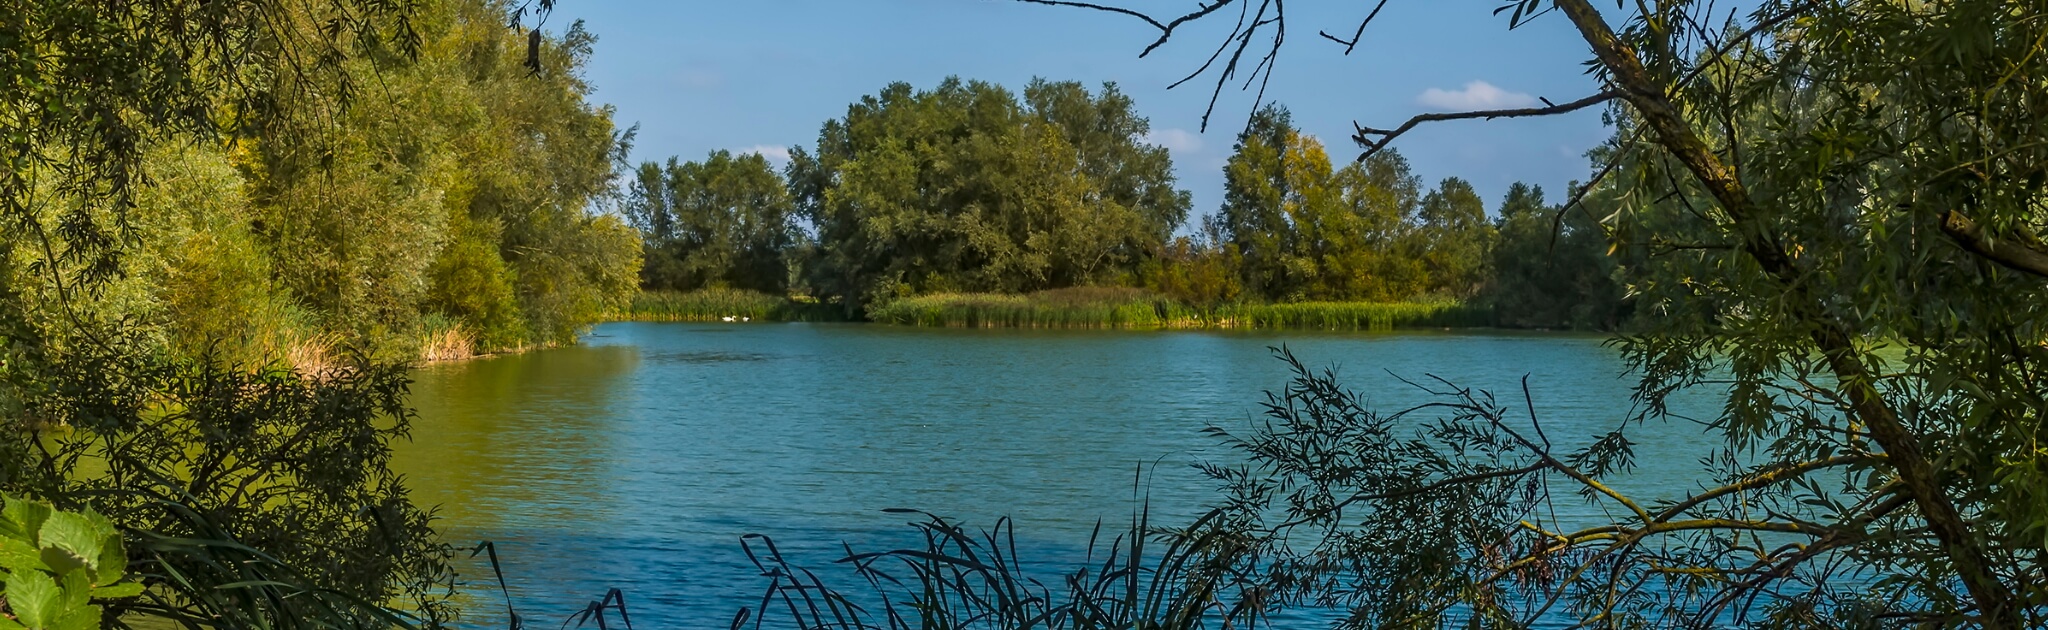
[1813,228]
[1081,307]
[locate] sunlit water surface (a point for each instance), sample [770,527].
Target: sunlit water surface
[639,459]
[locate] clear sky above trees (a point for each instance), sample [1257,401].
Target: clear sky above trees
[699,77]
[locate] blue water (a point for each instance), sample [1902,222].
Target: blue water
[638,459]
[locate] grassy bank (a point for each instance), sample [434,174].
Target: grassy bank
[1081,307]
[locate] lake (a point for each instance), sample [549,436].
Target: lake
[638,459]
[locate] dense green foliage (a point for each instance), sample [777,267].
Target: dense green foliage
[727,221]
[1552,269]
[231,228]
[960,200]
[965,187]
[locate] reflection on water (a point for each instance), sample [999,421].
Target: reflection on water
[640,458]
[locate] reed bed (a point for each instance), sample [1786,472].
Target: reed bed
[1357,315]
[1079,307]
[1086,307]
[706,305]
[720,305]
[1136,308]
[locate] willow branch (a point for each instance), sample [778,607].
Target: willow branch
[2018,253]
[1760,480]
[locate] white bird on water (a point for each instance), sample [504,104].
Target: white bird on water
[727,318]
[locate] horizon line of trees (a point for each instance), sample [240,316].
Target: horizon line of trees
[970,187]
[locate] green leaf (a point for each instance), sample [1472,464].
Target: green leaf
[113,563]
[22,519]
[81,618]
[62,561]
[17,555]
[76,588]
[10,624]
[73,533]
[118,591]
[34,597]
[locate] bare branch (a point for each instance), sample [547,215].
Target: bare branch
[1117,10]
[1353,42]
[1364,135]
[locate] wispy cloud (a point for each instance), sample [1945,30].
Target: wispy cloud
[778,155]
[1475,95]
[1175,140]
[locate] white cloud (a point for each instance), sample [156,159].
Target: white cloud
[1175,140]
[778,155]
[1475,96]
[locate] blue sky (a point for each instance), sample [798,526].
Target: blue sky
[763,74]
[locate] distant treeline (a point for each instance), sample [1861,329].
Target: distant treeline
[969,188]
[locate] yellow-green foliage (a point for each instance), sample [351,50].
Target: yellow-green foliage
[200,274]
[471,285]
[451,209]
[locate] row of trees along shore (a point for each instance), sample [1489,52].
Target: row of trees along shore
[968,203]
[1831,212]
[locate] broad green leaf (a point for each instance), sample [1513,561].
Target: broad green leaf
[118,591]
[73,533]
[76,587]
[34,597]
[17,555]
[61,560]
[25,517]
[113,561]
[80,618]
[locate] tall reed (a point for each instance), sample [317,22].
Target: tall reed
[1137,308]
[1080,307]
[1356,315]
[959,579]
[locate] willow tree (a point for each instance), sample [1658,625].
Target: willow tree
[247,495]
[1838,206]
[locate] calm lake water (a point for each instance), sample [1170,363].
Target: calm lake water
[640,458]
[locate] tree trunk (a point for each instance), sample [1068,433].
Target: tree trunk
[1650,99]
